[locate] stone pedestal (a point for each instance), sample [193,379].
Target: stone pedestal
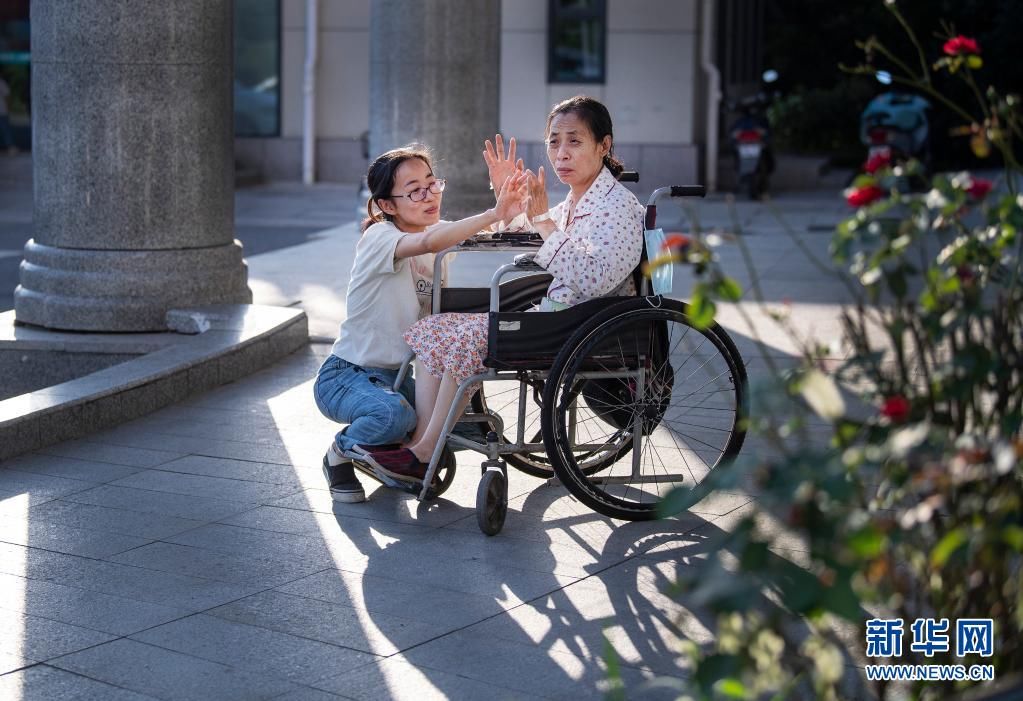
[132,125]
[434,71]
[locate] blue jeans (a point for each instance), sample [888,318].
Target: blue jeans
[364,399]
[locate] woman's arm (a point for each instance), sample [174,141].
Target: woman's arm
[601,252]
[511,200]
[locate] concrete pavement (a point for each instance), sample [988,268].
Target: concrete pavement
[195,553]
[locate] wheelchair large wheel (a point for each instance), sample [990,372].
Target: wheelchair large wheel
[684,388]
[502,398]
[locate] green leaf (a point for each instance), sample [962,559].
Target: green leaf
[614,671]
[701,309]
[867,543]
[1013,536]
[952,541]
[754,557]
[731,688]
[728,289]
[846,431]
[715,668]
[680,499]
[841,600]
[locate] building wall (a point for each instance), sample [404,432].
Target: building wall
[652,73]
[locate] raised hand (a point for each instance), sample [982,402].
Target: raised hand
[500,165]
[537,185]
[512,197]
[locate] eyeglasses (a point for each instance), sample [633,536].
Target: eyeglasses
[418,195]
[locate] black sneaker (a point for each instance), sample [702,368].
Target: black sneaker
[344,485]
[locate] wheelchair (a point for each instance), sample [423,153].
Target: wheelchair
[620,399]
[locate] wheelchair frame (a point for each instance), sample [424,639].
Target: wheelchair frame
[491,506]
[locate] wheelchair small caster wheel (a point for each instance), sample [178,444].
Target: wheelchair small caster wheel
[492,502]
[445,475]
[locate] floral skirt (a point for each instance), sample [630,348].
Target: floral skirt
[455,343]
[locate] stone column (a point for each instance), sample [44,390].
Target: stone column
[434,71]
[132,129]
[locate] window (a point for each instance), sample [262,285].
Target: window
[15,68]
[257,67]
[577,37]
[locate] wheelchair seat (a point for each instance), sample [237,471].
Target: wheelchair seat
[532,340]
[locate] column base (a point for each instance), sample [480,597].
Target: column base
[91,290]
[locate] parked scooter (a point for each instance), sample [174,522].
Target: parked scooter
[894,127]
[750,136]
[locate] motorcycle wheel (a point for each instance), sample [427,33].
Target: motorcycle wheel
[755,184]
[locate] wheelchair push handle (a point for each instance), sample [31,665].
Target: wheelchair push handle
[674,191]
[688,191]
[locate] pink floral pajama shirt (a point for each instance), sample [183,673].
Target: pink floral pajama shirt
[591,253]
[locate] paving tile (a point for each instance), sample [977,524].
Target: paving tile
[405,681]
[264,570]
[37,639]
[205,486]
[405,599]
[71,468]
[383,505]
[80,607]
[235,469]
[521,668]
[337,624]
[69,514]
[94,448]
[408,562]
[11,661]
[165,588]
[643,635]
[40,533]
[254,542]
[307,694]
[40,487]
[254,648]
[277,519]
[551,515]
[163,503]
[44,683]
[170,675]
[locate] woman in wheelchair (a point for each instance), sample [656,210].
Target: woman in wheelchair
[391,287]
[592,244]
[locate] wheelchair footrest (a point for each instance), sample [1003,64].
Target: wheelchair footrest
[412,487]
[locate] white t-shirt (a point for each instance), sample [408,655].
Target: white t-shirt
[385,297]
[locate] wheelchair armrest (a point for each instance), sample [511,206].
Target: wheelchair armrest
[524,261]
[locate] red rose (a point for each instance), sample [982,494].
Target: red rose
[862,196]
[675,242]
[960,45]
[877,162]
[979,187]
[896,408]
